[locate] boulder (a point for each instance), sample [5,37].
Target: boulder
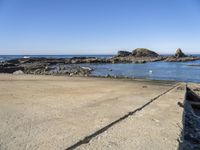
[10,69]
[179,53]
[143,52]
[18,72]
[123,53]
[140,62]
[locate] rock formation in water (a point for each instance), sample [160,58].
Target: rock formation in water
[179,53]
[143,52]
[123,53]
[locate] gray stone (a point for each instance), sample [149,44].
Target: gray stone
[143,52]
[18,72]
[179,53]
[123,53]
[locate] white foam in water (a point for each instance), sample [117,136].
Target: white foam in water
[1,59]
[26,57]
[87,68]
[150,71]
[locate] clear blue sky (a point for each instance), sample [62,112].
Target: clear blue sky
[98,26]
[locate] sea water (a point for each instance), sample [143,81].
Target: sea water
[175,71]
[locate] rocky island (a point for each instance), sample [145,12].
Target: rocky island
[71,67]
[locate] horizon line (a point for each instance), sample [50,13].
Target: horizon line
[89,54]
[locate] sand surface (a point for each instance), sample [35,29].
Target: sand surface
[50,112]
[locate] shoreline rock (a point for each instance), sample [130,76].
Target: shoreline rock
[181,59]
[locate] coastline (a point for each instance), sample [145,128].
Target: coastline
[141,63]
[120,78]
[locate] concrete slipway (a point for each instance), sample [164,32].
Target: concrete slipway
[48,112]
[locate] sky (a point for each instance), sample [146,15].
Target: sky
[98,26]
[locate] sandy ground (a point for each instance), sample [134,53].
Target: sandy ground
[48,112]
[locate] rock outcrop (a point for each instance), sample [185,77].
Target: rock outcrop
[179,53]
[18,67]
[143,52]
[123,53]
[180,59]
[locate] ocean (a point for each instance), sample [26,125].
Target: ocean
[8,57]
[174,71]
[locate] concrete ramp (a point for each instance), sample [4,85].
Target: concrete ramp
[157,126]
[46,112]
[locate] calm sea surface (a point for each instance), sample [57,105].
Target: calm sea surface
[8,57]
[176,71]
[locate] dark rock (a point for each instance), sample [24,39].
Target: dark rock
[197,89]
[10,69]
[13,61]
[108,76]
[143,52]
[123,53]
[34,68]
[194,65]
[140,61]
[179,53]
[180,59]
[180,104]
[71,70]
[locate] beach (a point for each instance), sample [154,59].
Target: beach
[59,112]
[99,75]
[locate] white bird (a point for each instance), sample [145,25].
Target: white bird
[150,71]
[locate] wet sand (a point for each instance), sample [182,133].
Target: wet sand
[52,112]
